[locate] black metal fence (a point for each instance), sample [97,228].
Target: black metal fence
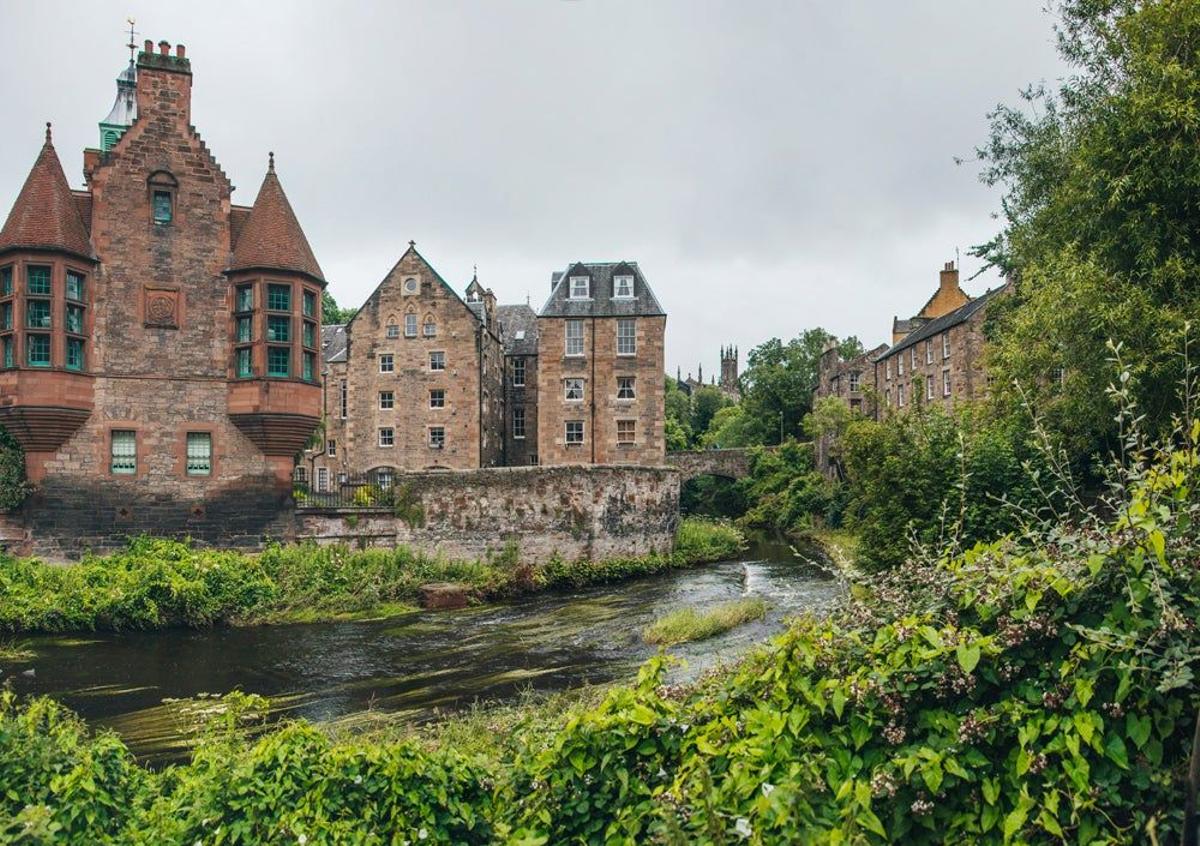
[375,491]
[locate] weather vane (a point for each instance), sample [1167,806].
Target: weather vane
[132,32]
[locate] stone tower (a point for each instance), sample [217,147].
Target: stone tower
[729,372]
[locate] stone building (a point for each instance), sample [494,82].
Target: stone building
[852,380]
[728,384]
[600,368]
[159,343]
[415,381]
[948,297]
[519,332]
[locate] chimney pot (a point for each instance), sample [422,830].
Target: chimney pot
[149,48]
[180,51]
[164,47]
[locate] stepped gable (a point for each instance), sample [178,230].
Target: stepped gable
[271,236]
[46,213]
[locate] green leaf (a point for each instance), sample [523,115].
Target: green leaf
[871,822]
[642,715]
[1048,822]
[991,815]
[1115,750]
[968,656]
[1013,822]
[839,701]
[991,790]
[1138,728]
[1083,690]
[932,774]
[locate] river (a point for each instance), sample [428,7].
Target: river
[412,664]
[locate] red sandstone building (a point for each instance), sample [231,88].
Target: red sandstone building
[159,344]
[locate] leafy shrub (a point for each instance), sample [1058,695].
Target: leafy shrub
[14,488]
[788,494]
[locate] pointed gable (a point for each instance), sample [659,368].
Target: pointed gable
[271,236]
[46,214]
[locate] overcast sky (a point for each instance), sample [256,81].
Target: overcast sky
[772,166]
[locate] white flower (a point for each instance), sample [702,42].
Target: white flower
[358,779]
[767,788]
[662,773]
[302,838]
[742,827]
[198,843]
[422,834]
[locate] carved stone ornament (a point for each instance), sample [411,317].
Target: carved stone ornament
[162,308]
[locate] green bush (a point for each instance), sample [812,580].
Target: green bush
[788,494]
[14,488]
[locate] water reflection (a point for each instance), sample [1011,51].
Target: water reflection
[414,663]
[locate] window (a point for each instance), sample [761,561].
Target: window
[625,388]
[626,430]
[623,287]
[342,400]
[74,354]
[199,453]
[945,383]
[245,330]
[437,361]
[245,298]
[574,432]
[928,387]
[437,437]
[410,286]
[331,447]
[279,297]
[574,337]
[429,330]
[323,479]
[37,314]
[387,436]
[835,385]
[309,366]
[37,350]
[245,362]
[123,452]
[574,390]
[279,361]
[386,364]
[410,326]
[384,478]
[437,398]
[854,382]
[533,460]
[913,355]
[900,395]
[310,304]
[387,400]
[900,365]
[626,336]
[162,206]
[945,345]
[518,425]
[310,334]
[8,350]
[6,315]
[929,351]
[6,283]
[393,330]
[581,288]
[887,396]
[300,476]
[37,280]
[518,373]
[889,368]
[279,329]
[74,286]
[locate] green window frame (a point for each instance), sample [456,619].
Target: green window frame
[37,350]
[163,213]
[309,366]
[75,286]
[279,329]
[37,279]
[74,353]
[37,314]
[6,281]
[75,319]
[245,330]
[8,345]
[279,361]
[310,334]
[245,298]
[310,304]
[245,362]
[199,453]
[123,452]
[6,315]
[279,297]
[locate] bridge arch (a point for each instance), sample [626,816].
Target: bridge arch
[723,463]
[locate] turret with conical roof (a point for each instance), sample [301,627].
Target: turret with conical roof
[271,238]
[45,215]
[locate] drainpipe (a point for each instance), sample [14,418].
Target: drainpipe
[592,392]
[479,369]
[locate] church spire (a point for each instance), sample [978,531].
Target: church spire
[124,109]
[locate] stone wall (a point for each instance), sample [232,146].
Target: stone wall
[573,512]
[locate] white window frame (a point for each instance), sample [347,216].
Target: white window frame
[900,396]
[437,437]
[441,353]
[322,479]
[122,452]
[393,330]
[946,344]
[518,378]
[632,392]
[429,328]
[441,397]
[577,283]
[518,424]
[410,325]
[929,387]
[574,343]
[388,397]
[567,432]
[929,351]
[574,384]
[900,365]
[391,436]
[387,363]
[855,379]
[202,458]
[627,343]
[889,368]
[946,384]
[912,353]
[384,478]
[633,438]
[618,283]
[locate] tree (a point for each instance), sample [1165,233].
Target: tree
[730,428]
[706,402]
[331,313]
[678,409]
[778,384]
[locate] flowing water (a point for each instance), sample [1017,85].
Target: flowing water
[412,664]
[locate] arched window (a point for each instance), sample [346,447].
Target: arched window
[410,324]
[393,328]
[163,188]
[430,327]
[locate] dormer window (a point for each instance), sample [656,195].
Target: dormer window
[162,197]
[623,287]
[581,288]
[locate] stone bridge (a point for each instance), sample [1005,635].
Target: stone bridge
[727,463]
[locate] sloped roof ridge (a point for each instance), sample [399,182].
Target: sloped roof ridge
[45,214]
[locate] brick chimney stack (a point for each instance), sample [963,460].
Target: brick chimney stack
[164,83]
[948,280]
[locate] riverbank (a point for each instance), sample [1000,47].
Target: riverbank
[158,583]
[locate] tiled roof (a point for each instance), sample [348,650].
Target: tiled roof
[940,324]
[271,237]
[518,329]
[83,203]
[602,304]
[46,214]
[238,215]
[333,342]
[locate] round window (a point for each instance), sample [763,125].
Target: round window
[410,285]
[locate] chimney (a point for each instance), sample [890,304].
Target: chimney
[149,46]
[164,83]
[164,47]
[948,280]
[180,51]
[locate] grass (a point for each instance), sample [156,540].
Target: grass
[688,624]
[842,546]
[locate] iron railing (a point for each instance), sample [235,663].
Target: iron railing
[365,492]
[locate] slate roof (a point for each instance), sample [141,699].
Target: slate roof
[46,213]
[271,237]
[938,325]
[333,343]
[642,304]
[518,329]
[912,324]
